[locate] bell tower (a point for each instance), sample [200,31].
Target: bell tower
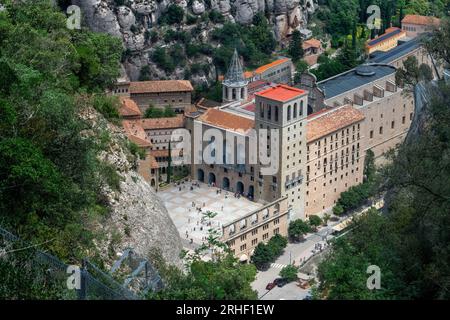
[234,86]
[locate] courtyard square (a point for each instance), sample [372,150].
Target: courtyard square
[183,205]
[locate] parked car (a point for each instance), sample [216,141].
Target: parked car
[282,282]
[270,285]
[277,280]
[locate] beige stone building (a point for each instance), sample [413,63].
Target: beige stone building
[279,71]
[158,132]
[280,111]
[158,93]
[415,25]
[335,159]
[371,88]
[244,234]
[147,167]
[312,49]
[225,173]
[386,41]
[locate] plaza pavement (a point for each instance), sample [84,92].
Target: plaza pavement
[188,220]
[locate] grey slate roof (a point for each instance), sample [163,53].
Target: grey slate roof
[384,37]
[351,79]
[395,53]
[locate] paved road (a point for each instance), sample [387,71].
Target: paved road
[294,253]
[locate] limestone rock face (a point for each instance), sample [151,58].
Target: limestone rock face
[198,7]
[137,219]
[142,16]
[244,11]
[134,42]
[125,17]
[99,16]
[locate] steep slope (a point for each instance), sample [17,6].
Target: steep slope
[137,219]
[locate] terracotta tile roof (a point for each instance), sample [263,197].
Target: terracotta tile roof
[281,93]
[226,120]
[129,108]
[332,121]
[421,20]
[314,43]
[248,74]
[161,123]
[136,133]
[143,143]
[160,86]
[270,65]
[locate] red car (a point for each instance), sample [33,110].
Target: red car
[270,285]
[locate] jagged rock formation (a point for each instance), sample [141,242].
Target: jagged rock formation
[131,20]
[137,218]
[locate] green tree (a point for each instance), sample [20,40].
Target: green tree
[338,209]
[50,172]
[300,67]
[314,221]
[262,256]
[153,112]
[297,229]
[327,68]
[277,244]
[169,112]
[289,273]
[173,15]
[222,278]
[295,46]
[348,56]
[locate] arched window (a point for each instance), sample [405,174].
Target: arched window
[295,110]
[301,108]
[276,113]
[261,110]
[269,112]
[289,113]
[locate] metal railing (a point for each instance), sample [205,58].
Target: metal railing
[95,284]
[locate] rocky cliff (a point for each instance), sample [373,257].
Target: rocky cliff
[137,218]
[132,20]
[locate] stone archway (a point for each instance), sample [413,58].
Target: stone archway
[226,183]
[200,175]
[211,178]
[239,187]
[251,191]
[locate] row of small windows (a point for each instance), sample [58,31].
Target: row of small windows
[292,112]
[121,90]
[380,129]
